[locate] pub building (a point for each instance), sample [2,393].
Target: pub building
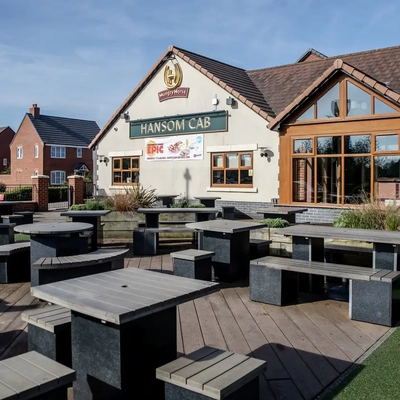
[318,133]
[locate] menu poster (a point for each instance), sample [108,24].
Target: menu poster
[182,147]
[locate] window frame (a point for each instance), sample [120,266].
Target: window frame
[79,152]
[121,170]
[53,174]
[20,152]
[238,168]
[62,152]
[36,151]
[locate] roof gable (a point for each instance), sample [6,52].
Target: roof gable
[64,131]
[311,55]
[282,85]
[234,80]
[338,65]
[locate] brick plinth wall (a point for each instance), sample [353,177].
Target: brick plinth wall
[78,188]
[40,192]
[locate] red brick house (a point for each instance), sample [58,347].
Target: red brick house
[6,136]
[53,146]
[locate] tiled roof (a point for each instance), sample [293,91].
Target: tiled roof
[64,131]
[270,91]
[309,53]
[281,85]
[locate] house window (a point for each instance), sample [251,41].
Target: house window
[36,173]
[232,169]
[125,170]
[79,152]
[20,153]
[345,168]
[57,177]
[57,152]
[36,151]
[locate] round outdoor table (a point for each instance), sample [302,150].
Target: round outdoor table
[53,240]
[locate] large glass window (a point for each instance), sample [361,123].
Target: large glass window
[125,170]
[232,169]
[328,104]
[358,101]
[346,168]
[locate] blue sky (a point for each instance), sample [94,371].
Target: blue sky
[81,58]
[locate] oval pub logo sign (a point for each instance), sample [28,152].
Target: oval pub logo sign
[173,77]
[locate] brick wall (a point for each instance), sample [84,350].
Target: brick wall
[6,137]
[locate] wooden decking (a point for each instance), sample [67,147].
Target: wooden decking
[307,345]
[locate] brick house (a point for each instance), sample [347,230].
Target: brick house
[53,146]
[6,136]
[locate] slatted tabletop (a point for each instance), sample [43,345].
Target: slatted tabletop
[330,232]
[225,226]
[57,228]
[83,213]
[123,295]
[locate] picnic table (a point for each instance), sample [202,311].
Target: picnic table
[208,201]
[287,213]
[230,240]
[167,199]
[52,240]
[308,242]
[152,214]
[123,327]
[90,217]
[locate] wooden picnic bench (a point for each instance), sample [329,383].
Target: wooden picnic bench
[54,269]
[33,376]
[211,373]
[287,213]
[49,332]
[15,262]
[274,280]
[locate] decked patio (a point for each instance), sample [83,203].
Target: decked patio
[307,345]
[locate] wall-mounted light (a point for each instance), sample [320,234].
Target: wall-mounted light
[125,116]
[230,101]
[215,101]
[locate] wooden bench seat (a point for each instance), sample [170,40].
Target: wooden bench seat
[193,263]
[213,374]
[34,376]
[274,280]
[54,269]
[49,332]
[15,262]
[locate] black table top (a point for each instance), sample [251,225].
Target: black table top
[53,228]
[225,226]
[172,210]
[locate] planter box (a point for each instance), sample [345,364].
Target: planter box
[280,246]
[120,224]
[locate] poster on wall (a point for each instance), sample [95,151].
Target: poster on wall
[182,147]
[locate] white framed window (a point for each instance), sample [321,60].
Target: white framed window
[36,151]
[36,173]
[79,152]
[20,152]
[57,152]
[5,162]
[57,177]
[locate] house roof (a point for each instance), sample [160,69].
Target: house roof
[271,91]
[282,85]
[64,131]
[311,52]
[338,65]
[3,128]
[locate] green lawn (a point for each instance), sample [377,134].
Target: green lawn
[20,236]
[377,378]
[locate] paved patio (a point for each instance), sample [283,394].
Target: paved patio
[307,345]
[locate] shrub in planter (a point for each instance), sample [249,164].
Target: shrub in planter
[134,197]
[275,222]
[198,205]
[91,205]
[3,187]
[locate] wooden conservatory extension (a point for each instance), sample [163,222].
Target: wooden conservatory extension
[340,143]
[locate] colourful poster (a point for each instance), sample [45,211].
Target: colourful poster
[182,147]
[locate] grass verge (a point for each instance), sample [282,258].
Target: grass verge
[20,236]
[376,378]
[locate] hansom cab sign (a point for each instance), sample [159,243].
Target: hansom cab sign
[214,121]
[173,77]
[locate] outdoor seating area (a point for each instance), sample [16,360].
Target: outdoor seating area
[236,322]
